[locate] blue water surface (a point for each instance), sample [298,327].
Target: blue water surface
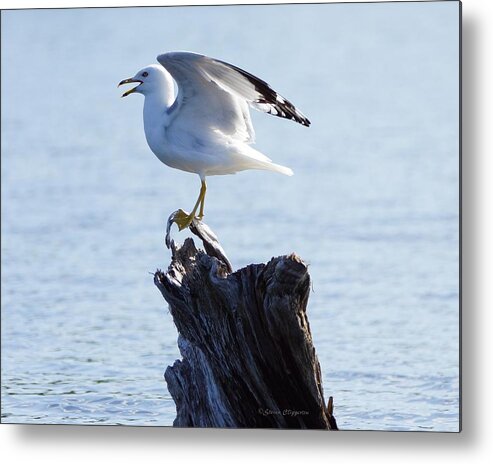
[372,207]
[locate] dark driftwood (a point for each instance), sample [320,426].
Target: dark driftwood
[248,358]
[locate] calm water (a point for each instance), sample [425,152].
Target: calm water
[373,205]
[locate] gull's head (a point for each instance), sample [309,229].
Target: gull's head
[148,79]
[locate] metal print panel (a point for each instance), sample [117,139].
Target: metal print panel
[355,323]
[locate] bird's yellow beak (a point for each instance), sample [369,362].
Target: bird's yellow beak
[130,80]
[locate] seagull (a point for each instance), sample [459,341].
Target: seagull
[206,129]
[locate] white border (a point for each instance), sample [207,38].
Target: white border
[75,444]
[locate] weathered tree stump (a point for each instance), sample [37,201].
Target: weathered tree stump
[248,357]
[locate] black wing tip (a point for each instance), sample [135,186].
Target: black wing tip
[305,122]
[283,108]
[292,113]
[296,118]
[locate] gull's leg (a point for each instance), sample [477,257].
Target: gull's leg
[182,219]
[203,189]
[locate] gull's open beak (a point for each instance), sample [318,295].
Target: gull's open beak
[130,80]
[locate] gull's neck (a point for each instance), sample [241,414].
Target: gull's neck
[156,105]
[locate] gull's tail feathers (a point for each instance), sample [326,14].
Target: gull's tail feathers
[253,159]
[276,168]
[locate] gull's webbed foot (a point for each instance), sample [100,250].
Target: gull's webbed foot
[182,219]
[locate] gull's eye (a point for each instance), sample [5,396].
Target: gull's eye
[145,74]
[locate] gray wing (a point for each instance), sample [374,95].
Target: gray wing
[257,92]
[195,73]
[202,107]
